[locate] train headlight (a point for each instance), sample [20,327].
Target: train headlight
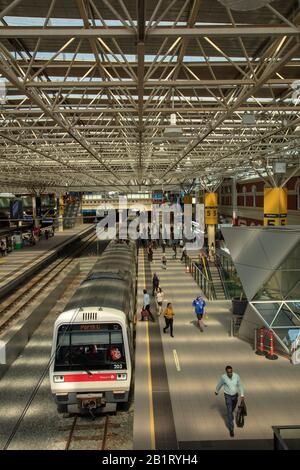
[121,376]
[58,378]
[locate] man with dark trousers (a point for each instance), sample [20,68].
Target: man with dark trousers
[232,387]
[155,283]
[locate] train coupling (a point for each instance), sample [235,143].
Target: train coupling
[91,401]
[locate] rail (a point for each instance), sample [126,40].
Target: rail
[221,274]
[203,280]
[93,430]
[235,323]
[14,304]
[286,437]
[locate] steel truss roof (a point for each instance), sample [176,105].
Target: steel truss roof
[90,86]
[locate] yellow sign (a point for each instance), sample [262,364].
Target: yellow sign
[211,208]
[187,199]
[61,206]
[275,206]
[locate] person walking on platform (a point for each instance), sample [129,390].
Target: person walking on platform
[150,254]
[232,387]
[163,245]
[174,248]
[164,262]
[155,283]
[3,248]
[146,304]
[183,254]
[159,300]
[199,304]
[169,314]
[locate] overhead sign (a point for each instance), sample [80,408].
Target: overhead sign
[275,206]
[157,197]
[211,208]
[16,209]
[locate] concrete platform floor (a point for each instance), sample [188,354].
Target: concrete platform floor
[19,261]
[195,361]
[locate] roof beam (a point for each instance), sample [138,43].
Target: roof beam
[141,75]
[196,110]
[7,71]
[150,83]
[221,31]
[244,95]
[8,8]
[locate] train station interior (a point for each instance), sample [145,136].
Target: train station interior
[150,225]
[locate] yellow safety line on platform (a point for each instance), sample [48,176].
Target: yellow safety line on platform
[151,411]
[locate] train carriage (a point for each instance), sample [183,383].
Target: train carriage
[92,346]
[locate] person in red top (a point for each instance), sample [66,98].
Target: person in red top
[115,353]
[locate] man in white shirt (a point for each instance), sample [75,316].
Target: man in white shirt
[232,386]
[146,302]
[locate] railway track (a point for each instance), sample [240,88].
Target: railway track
[15,304]
[109,431]
[91,433]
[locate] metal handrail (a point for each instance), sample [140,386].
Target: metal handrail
[211,281]
[223,281]
[279,439]
[204,282]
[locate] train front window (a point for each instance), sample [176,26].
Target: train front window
[90,347]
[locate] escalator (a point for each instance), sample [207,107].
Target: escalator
[214,275]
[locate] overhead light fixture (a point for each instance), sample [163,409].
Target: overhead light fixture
[173,130]
[188,161]
[279,168]
[248,119]
[297,130]
[161,152]
[245,5]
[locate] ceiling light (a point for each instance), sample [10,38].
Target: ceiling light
[297,130]
[279,168]
[173,130]
[161,151]
[248,119]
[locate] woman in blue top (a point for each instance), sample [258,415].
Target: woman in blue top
[199,305]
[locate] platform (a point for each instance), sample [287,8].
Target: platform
[185,370]
[21,264]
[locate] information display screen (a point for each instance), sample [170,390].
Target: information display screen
[16,209]
[157,197]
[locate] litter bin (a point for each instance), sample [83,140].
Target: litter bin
[18,238]
[239,306]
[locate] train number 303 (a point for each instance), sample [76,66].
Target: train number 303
[117,366]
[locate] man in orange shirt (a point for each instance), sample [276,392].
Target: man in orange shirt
[169,314]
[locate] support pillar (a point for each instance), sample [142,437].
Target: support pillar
[80,221]
[234,202]
[36,211]
[188,207]
[211,218]
[60,213]
[275,206]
